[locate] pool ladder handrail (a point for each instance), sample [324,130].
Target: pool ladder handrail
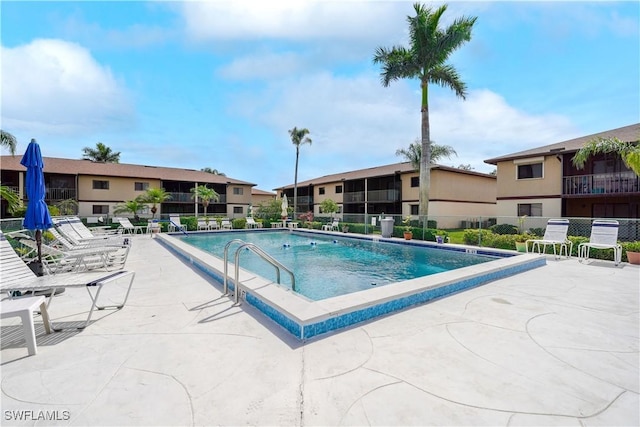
[262,254]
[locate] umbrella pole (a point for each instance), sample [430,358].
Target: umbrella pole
[39,244]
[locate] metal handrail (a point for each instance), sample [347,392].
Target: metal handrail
[225,289]
[265,256]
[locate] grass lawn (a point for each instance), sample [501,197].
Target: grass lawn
[456,235]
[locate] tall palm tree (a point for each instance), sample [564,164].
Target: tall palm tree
[101,153]
[425,60]
[9,141]
[298,137]
[155,196]
[414,153]
[205,195]
[630,153]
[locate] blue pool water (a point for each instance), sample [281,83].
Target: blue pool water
[326,266]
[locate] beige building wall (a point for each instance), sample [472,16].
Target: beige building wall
[120,190]
[451,214]
[238,198]
[454,186]
[258,199]
[549,185]
[329,193]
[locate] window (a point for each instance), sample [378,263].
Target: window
[338,189]
[414,209]
[141,186]
[100,185]
[237,209]
[321,190]
[530,209]
[100,209]
[415,182]
[238,191]
[533,170]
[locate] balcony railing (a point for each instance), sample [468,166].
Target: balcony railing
[372,196]
[60,193]
[188,198]
[620,183]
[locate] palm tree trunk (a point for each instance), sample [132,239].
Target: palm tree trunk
[425,158]
[295,183]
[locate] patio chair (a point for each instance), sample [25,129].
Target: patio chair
[604,235]
[554,234]
[225,224]
[251,223]
[175,224]
[334,226]
[17,278]
[56,260]
[203,224]
[127,227]
[73,230]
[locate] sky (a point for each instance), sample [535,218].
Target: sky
[218,84]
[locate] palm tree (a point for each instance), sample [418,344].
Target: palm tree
[13,201]
[213,171]
[154,196]
[133,206]
[101,153]
[9,141]
[205,194]
[414,153]
[629,152]
[425,60]
[298,137]
[67,207]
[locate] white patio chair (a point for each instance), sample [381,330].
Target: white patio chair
[225,224]
[604,235]
[554,234]
[334,226]
[251,223]
[17,276]
[175,224]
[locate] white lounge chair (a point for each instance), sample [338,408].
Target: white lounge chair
[56,260]
[334,226]
[175,224]
[127,227]
[225,224]
[75,231]
[17,276]
[554,234]
[604,235]
[251,223]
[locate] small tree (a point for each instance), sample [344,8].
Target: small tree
[154,196]
[414,153]
[101,153]
[205,195]
[269,211]
[130,206]
[13,201]
[329,206]
[9,141]
[67,207]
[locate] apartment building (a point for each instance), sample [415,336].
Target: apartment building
[394,190]
[544,182]
[98,187]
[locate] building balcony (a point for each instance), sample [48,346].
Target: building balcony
[599,184]
[57,194]
[188,198]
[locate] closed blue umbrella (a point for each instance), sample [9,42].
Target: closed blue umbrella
[37,216]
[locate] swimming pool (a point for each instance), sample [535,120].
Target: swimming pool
[304,318]
[327,266]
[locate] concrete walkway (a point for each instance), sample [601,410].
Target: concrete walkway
[558,345]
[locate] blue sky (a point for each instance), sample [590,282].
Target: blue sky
[218,84]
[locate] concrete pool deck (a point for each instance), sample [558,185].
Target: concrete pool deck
[556,345]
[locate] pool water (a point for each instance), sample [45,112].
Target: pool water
[327,266]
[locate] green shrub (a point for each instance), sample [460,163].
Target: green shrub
[629,247]
[239,223]
[504,229]
[476,237]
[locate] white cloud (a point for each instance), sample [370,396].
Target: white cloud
[290,19]
[263,66]
[56,87]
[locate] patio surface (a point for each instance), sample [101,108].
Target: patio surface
[557,345]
